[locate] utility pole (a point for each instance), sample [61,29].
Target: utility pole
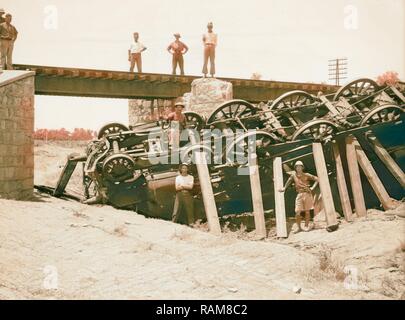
[337,70]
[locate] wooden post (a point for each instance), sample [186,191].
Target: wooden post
[206,189]
[355,181]
[372,177]
[386,158]
[281,223]
[257,200]
[341,183]
[327,198]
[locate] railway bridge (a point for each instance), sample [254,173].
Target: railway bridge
[18,87]
[59,81]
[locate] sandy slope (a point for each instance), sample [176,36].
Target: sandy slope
[51,158]
[101,252]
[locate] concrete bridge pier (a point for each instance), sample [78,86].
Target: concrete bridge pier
[205,95]
[16,134]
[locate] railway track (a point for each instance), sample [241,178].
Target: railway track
[52,80]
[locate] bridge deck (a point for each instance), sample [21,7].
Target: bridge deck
[126,85]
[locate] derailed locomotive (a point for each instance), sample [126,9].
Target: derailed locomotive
[135,168]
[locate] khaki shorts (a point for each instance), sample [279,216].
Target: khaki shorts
[304,202]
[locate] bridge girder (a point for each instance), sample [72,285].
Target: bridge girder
[124,85]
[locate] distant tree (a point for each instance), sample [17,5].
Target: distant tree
[40,134]
[389,78]
[62,134]
[256,76]
[78,134]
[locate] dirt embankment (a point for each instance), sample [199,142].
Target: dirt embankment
[51,248]
[101,252]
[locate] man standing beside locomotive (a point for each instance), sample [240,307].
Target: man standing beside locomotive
[177,124]
[210,40]
[8,35]
[304,202]
[184,198]
[177,49]
[135,54]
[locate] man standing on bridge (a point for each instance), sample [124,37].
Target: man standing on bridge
[135,54]
[210,40]
[8,35]
[2,19]
[177,49]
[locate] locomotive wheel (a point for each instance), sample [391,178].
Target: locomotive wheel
[359,88]
[248,143]
[319,130]
[118,168]
[111,128]
[387,113]
[194,120]
[293,99]
[232,110]
[296,101]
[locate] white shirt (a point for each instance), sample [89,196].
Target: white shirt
[211,38]
[185,181]
[136,47]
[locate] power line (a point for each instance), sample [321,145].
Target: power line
[337,69]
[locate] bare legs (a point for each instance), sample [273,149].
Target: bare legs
[298,219]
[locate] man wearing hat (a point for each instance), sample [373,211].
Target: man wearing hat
[177,124]
[178,115]
[304,202]
[135,53]
[184,198]
[177,49]
[2,12]
[8,35]
[2,19]
[210,40]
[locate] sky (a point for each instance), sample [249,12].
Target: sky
[284,40]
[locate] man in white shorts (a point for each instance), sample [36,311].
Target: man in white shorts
[304,202]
